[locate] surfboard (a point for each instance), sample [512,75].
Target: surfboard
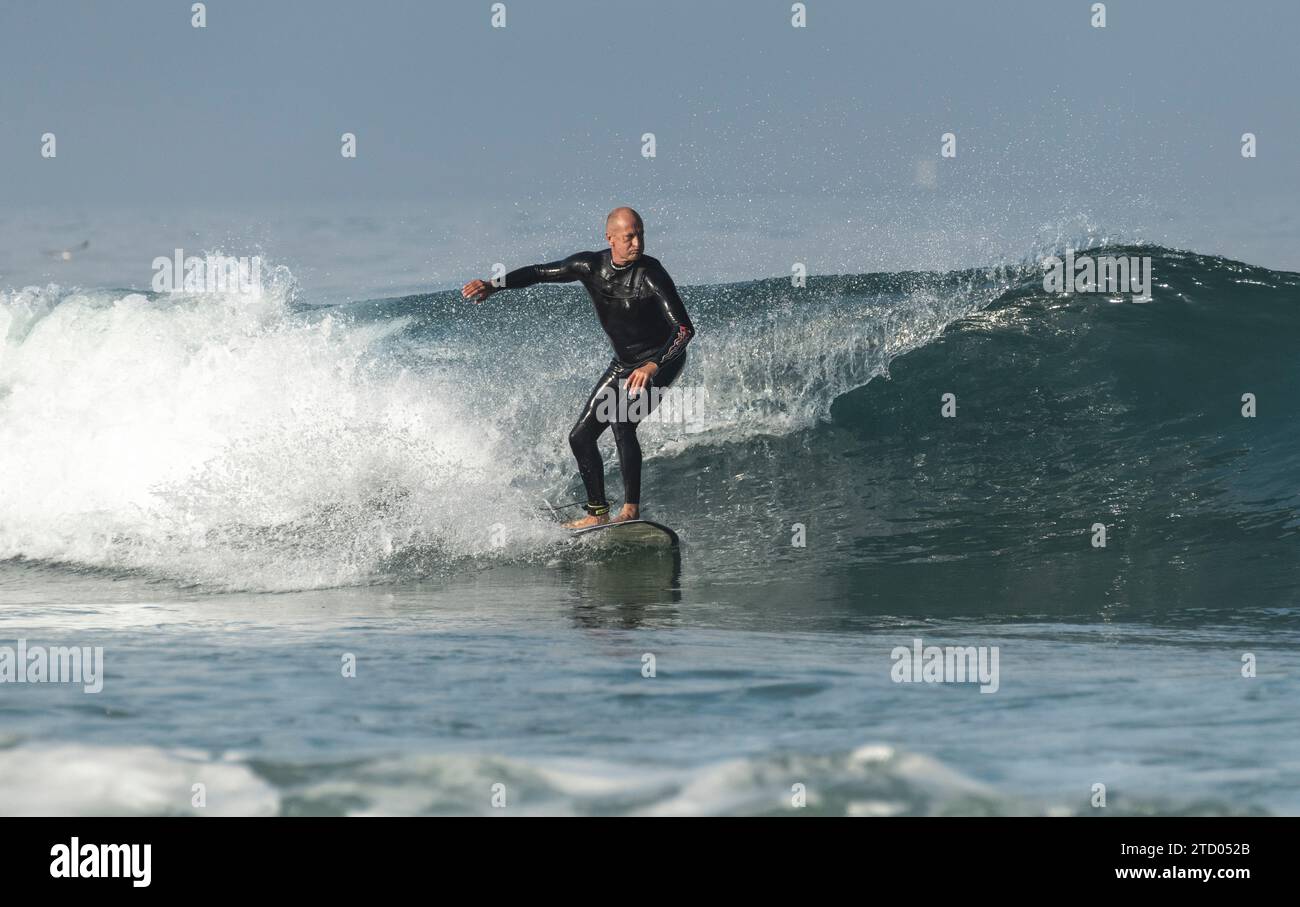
[631,532]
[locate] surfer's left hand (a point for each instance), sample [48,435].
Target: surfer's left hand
[640,378]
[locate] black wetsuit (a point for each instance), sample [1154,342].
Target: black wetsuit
[644,317]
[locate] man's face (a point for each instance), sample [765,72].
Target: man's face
[626,240]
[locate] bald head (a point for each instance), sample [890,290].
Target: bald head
[626,235]
[623,216]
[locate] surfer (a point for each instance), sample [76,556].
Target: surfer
[647,324]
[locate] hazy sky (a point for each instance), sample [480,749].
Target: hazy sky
[831,131]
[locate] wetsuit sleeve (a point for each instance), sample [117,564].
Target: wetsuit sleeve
[674,312]
[575,267]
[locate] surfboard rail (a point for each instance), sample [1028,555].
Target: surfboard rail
[634,532]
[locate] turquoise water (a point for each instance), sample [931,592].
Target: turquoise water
[229,495]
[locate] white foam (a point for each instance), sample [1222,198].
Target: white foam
[75,780]
[217,439]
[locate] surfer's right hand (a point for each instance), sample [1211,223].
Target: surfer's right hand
[477,290]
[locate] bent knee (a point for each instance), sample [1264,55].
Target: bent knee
[623,429]
[583,435]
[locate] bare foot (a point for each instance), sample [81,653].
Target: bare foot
[629,512]
[587,522]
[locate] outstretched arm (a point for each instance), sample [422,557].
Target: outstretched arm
[566,270]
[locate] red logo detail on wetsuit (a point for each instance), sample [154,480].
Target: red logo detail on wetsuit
[683,335]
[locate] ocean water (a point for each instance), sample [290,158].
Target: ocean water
[232,493]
